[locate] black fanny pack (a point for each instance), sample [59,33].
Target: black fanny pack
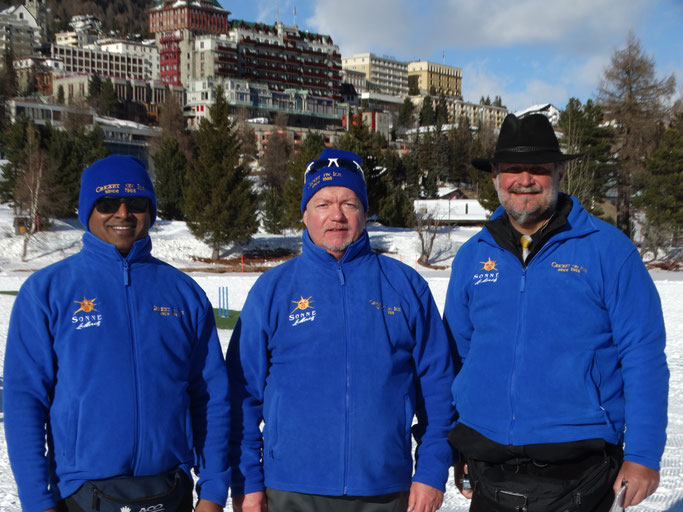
[166,492]
[556,477]
[526,487]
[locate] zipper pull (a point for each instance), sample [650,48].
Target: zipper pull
[340,274]
[126,273]
[522,284]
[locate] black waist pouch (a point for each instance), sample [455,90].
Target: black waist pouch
[166,492]
[530,487]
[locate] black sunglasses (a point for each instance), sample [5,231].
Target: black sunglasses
[133,204]
[343,163]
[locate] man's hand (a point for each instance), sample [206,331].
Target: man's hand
[642,481]
[207,506]
[424,498]
[460,470]
[252,502]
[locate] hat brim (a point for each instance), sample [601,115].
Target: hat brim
[486,164]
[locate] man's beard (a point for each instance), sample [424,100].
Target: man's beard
[544,209]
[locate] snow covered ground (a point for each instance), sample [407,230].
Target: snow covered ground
[172,242]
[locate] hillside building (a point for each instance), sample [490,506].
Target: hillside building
[386,74]
[429,76]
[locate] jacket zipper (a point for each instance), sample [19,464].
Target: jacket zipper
[133,348]
[347,399]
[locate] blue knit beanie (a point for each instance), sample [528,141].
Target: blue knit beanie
[334,168]
[114,176]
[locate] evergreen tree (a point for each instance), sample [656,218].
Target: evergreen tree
[109,102]
[369,146]
[60,95]
[395,206]
[460,142]
[309,150]
[441,112]
[70,152]
[660,194]
[94,87]
[12,145]
[584,132]
[413,88]
[220,206]
[484,146]
[170,168]
[427,114]
[276,154]
[10,82]
[405,114]
[273,210]
[636,101]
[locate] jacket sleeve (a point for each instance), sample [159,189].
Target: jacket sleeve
[247,366]
[29,378]
[210,412]
[638,331]
[435,413]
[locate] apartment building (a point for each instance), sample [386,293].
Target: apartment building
[145,49]
[19,29]
[94,61]
[444,79]
[475,113]
[256,100]
[175,24]
[386,73]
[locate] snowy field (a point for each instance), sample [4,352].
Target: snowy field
[173,243]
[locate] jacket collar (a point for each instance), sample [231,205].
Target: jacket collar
[100,249]
[354,252]
[579,223]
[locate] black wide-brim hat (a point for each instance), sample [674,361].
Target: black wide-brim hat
[526,140]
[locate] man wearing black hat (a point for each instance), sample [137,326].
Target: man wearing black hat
[336,351]
[562,393]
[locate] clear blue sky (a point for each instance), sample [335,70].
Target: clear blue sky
[527,52]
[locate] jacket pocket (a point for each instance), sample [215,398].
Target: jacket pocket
[409,414]
[65,434]
[270,430]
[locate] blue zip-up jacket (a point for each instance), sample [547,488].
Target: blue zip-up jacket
[570,348]
[337,357]
[120,360]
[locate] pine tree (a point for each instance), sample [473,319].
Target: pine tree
[309,150]
[427,114]
[170,168]
[60,95]
[584,132]
[441,112]
[636,102]
[69,152]
[220,206]
[369,146]
[277,153]
[405,114]
[273,210]
[660,194]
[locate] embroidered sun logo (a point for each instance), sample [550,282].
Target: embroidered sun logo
[86,305]
[302,304]
[488,265]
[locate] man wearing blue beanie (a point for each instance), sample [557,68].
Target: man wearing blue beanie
[113,361]
[336,351]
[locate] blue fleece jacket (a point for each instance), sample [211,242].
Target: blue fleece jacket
[570,348]
[116,363]
[337,357]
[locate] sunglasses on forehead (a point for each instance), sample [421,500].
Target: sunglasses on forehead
[134,204]
[342,163]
